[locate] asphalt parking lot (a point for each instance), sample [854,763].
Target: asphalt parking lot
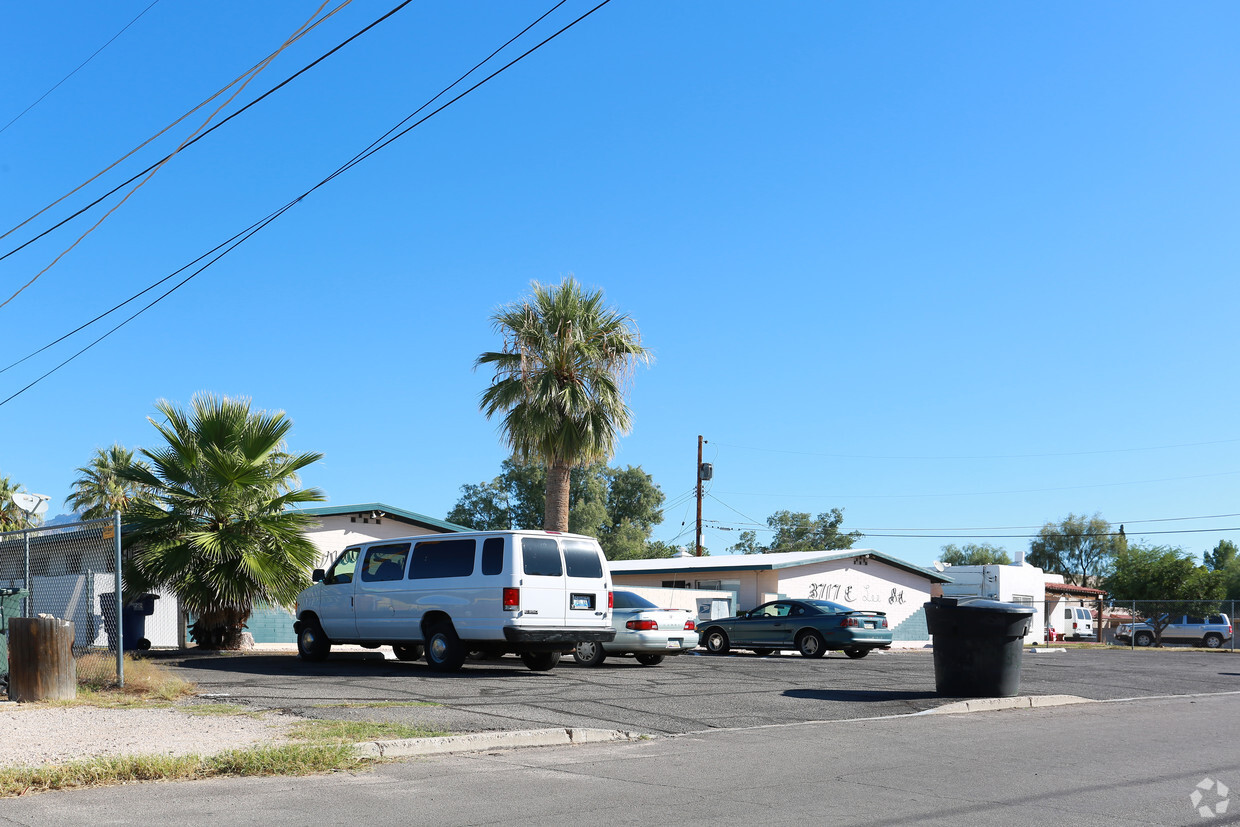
[688,693]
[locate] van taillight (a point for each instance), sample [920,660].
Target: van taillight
[611,600]
[512,599]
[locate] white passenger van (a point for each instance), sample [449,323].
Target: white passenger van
[535,593]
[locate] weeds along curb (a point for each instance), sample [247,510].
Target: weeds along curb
[481,741]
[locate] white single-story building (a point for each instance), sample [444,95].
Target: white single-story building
[858,578]
[1017,582]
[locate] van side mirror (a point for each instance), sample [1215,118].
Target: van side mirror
[319,576]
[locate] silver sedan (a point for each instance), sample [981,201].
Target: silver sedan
[642,630]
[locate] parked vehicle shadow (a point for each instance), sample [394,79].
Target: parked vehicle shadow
[340,664]
[858,695]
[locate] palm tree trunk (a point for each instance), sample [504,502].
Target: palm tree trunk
[556,515]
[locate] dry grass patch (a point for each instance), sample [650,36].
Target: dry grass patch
[353,732]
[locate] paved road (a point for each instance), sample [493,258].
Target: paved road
[1102,764]
[688,693]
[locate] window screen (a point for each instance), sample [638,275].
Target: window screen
[442,558]
[493,555]
[582,559]
[541,557]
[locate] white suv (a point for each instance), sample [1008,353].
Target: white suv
[1211,632]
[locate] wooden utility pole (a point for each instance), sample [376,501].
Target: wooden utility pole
[697,542]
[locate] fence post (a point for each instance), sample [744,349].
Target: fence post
[120,630]
[1132,638]
[28,600]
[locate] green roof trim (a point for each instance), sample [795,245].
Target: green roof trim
[388,511]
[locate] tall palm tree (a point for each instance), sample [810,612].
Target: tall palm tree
[216,526]
[12,518]
[559,382]
[100,487]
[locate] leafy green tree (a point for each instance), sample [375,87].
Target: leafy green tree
[216,524]
[1078,547]
[1167,582]
[796,531]
[974,554]
[1221,556]
[558,383]
[101,487]
[619,506]
[12,518]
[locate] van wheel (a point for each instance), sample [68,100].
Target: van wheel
[540,661]
[444,652]
[717,642]
[1212,641]
[589,653]
[811,645]
[1144,639]
[855,652]
[649,660]
[312,644]
[411,651]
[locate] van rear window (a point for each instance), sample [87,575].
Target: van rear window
[442,558]
[493,555]
[541,556]
[581,560]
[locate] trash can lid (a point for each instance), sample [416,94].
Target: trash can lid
[980,604]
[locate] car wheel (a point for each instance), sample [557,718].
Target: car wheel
[649,660]
[762,652]
[1144,639]
[444,652]
[589,653]
[855,652]
[312,644]
[716,642]
[411,651]
[540,661]
[811,645]
[1212,641]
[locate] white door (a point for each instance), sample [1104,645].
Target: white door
[543,595]
[335,607]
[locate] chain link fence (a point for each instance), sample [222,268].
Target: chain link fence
[1205,623]
[70,571]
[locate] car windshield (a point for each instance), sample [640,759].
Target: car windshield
[629,600]
[826,606]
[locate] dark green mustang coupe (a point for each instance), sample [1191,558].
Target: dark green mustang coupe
[809,626]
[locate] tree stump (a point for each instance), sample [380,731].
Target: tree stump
[41,664]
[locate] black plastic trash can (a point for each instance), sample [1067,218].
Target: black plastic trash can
[977,646]
[133,619]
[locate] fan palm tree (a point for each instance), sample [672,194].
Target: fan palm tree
[12,518]
[559,382]
[216,525]
[100,488]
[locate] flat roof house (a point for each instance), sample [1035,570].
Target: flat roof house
[858,578]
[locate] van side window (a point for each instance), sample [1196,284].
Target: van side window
[581,559]
[385,562]
[493,555]
[342,570]
[1067,614]
[442,558]
[541,557]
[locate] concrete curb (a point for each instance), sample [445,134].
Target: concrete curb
[1018,702]
[480,741]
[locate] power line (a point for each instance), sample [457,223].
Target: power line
[980,456]
[939,494]
[723,527]
[195,140]
[75,71]
[380,143]
[301,30]
[1014,527]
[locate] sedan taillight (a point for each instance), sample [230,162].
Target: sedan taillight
[850,621]
[642,625]
[512,599]
[690,626]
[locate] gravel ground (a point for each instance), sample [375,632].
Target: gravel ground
[35,735]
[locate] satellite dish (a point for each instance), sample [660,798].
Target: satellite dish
[938,565]
[35,504]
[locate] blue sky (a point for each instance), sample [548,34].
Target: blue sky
[956,268]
